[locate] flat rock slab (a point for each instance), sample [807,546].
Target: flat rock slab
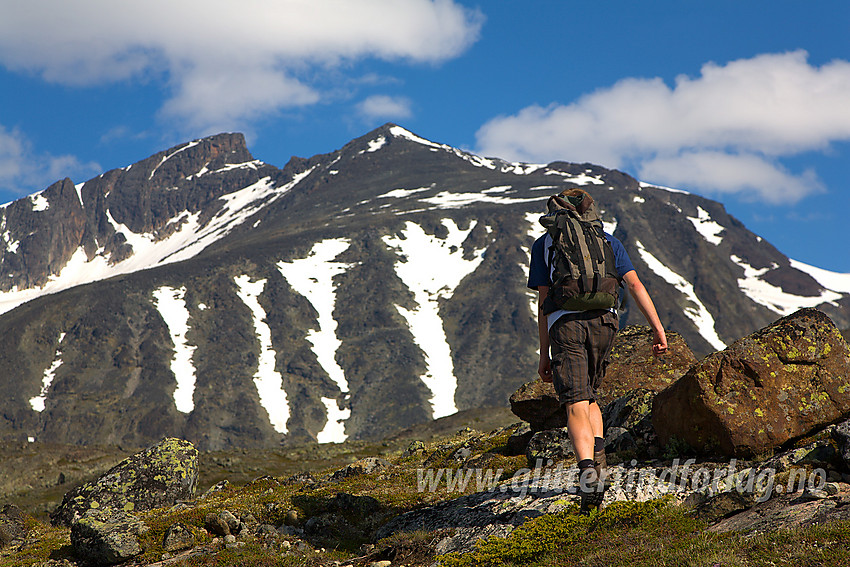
[787,511]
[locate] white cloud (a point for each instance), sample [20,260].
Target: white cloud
[724,131]
[22,171]
[225,61]
[385,108]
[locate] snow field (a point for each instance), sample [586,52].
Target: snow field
[171,305]
[697,312]
[432,268]
[189,240]
[709,229]
[38,402]
[269,382]
[312,277]
[777,300]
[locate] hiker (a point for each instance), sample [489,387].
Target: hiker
[580,331]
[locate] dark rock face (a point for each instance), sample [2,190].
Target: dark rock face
[156,477]
[776,385]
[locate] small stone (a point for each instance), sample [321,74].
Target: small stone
[380,564]
[216,525]
[233,523]
[229,538]
[178,537]
[285,544]
[291,518]
[815,494]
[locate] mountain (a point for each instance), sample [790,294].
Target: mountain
[202,293]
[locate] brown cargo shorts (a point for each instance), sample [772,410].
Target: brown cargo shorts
[581,344]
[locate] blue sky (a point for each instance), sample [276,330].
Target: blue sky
[747,102]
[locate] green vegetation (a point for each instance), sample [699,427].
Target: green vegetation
[655,533]
[349,509]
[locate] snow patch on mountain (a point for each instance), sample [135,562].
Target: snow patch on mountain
[708,228]
[167,157]
[38,402]
[696,312]
[254,164]
[773,297]
[419,254]
[476,160]
[449,200]
[269,382]
[833,281]
[375,145]
[39,202]
[334,430]
[581,179]
[171,304]
[312,277]
[401,193]
[668,189]
[148,251]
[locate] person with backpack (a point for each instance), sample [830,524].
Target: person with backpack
[577,270]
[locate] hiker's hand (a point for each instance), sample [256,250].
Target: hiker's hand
[659,343]
[544,369]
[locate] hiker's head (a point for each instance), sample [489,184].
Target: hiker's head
[577,196]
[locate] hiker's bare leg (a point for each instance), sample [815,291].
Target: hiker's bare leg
[584,422]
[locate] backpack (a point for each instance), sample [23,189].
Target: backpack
[584,276]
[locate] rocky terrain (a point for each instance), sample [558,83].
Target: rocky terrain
[202,294]
[481,496]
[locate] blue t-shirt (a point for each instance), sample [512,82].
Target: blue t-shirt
[540,273]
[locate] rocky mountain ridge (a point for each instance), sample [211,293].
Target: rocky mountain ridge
[203,294]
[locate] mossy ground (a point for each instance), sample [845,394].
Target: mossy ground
[655,533]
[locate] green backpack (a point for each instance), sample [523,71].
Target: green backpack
[585,276]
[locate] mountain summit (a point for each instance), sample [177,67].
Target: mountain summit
[202,293]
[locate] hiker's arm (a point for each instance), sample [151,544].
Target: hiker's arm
[544,369]
[644,303]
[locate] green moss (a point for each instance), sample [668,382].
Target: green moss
[542,536]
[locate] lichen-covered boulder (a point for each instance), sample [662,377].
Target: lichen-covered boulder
[781,383]
[632,366]
[157,476]
[107,537]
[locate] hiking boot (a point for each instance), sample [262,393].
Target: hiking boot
[591,490]
[601,465]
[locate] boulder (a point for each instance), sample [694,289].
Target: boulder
[12,525]
[628,422]
[367,465]
[550,445]
[781,383]
[157,476]
[537,404]
[631,366]
[107,537]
